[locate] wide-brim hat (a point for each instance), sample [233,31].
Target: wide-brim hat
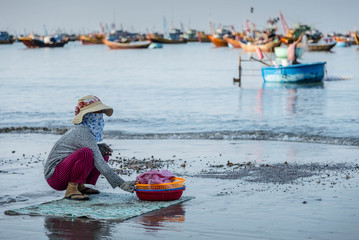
[89,104]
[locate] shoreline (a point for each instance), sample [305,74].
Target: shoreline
[316,200]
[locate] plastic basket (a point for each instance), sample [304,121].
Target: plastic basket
[177,183]
[160,195]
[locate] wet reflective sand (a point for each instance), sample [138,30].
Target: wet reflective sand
[321,206]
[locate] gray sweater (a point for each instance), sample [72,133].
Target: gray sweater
[79,137]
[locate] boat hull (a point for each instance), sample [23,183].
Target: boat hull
[356,37]
[157,39]
[298,73]
[9,41]
[34,43]
[234,43]
[131,45]
[86,40]
[218,42]
[320,47]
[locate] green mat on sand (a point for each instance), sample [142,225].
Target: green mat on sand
[110,206]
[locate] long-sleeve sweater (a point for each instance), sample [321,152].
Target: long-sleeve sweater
[79,137]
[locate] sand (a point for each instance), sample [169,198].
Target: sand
[243,190]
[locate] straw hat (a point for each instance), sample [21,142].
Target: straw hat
[89,104]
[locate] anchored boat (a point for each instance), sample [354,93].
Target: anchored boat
[298,73]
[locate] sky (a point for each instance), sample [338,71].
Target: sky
[84,16]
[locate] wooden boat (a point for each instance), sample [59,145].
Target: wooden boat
[267,47]
[282,52]
[129,45]
[218,42]
[320,47]
[32,42]
[342,41]
[202,37]
[159,39]
[234,43]
[285,39]
[92,39]
[191,35]
[6,38]
[298,73]
[356,37]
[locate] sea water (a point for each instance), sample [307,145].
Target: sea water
[183,91]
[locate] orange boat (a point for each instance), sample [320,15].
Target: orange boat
[217,41]
[356,37]
[128,45]
[267,47]
[233,42]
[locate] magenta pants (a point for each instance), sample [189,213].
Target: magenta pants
[78,167]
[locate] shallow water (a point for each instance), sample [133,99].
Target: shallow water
[179,91]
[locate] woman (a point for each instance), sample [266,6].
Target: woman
[76,158]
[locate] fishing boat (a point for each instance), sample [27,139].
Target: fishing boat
[43,42]
[128,45]
[298,73]
[159,39]
[175,36]
[325,44]
[191,35]
[282,52]
[202,37]
[342,41]
[356,37]
[6,38]
[232,42]
[218,42]
[320,47]
[92,39]
[266,47]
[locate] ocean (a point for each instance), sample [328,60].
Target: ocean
[181,91]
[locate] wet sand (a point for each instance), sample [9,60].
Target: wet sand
[243,190]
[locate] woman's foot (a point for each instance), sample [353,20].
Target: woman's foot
[85,190]
[72,193]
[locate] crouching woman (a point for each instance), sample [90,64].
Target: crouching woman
[76,159]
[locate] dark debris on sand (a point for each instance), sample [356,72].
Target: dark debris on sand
[281,173]
[127,166]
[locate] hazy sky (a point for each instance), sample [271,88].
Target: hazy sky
[79,16]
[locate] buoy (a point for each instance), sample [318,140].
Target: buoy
[259,53]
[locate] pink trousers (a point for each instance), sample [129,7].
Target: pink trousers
[78,167]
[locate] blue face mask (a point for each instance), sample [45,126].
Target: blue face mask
[95,122]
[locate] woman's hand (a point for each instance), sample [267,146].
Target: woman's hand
[128,186]
[105,149]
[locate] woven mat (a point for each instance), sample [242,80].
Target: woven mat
[111,206]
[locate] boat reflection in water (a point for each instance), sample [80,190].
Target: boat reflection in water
[270,85]
[288,98]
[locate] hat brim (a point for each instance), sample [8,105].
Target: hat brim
[90,109]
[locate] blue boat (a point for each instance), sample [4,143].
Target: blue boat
[298,73]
